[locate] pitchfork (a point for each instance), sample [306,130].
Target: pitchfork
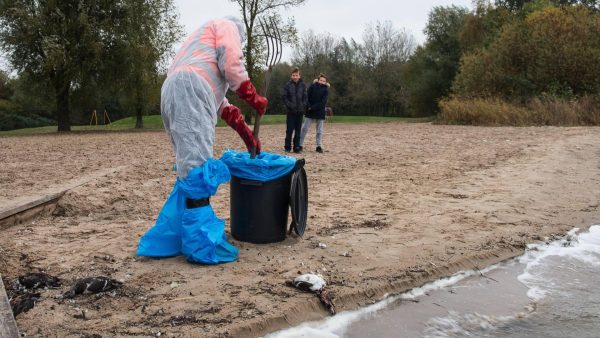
[274,50]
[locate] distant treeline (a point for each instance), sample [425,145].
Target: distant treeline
[507,62]
[536,60]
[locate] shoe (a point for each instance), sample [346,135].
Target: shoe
[287,150]
[319,150]
[298,150]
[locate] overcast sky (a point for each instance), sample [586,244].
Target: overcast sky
[342,18]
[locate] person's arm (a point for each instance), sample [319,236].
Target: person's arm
[308,95]
[232,115]
[304,98]
[230,59]
[325,98]
[285,96]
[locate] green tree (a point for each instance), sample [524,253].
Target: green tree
[512,5]
[554,51]
[53,40]
[385,49]
[431,70]
[518,5]
[345,76]
[482,25]
[73,44]
[424,83]
[137,60]
[5,88]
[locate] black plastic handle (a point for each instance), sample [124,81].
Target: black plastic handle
[251,182]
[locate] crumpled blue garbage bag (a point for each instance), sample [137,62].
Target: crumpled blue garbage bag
[264,167]
[196,233]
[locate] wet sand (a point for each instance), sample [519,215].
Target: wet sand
[409,203]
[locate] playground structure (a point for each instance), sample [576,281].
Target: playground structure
[94,118]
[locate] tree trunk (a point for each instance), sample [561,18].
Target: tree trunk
[139,121]
[139,108]
[62,86]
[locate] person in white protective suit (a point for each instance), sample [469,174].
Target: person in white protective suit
[192,98]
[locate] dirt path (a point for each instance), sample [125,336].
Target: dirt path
[408,202]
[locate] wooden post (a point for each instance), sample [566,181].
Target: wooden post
[94,117]
[106,117]
[8,327]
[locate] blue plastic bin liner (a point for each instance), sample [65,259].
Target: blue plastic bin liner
[264,167]
[196,233]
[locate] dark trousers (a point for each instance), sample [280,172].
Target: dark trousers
[294,125]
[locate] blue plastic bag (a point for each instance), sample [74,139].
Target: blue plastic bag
[203,237]
[264,167]
[196,233]
[164,238]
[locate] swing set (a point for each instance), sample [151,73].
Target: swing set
[94,118]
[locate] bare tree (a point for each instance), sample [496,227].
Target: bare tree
[383,43]
[252,11]
[312,45]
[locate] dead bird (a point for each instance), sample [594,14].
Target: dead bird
[34,280]
[92,285]
[23,302]
[315,283]
[309,282]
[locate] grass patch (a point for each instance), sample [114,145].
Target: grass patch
[154,122]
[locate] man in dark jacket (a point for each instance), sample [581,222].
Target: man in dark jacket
[317,93]
[294,98]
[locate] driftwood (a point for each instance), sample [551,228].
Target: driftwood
[8,327]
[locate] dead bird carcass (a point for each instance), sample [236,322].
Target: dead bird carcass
[315,283]
[23,302]
[36,280]
[92,285]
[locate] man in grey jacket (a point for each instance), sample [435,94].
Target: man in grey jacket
[295,100]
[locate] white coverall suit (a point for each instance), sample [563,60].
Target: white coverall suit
[209,62]
[192,98]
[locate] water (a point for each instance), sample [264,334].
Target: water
[550,291]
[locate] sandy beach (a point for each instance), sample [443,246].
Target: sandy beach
[396,205]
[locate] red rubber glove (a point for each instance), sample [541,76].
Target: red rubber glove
[234,118]
[247,92]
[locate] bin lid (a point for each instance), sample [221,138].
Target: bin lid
[299,199]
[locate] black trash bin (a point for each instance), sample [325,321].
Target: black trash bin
[259,210]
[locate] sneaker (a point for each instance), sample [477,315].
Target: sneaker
[319,149]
